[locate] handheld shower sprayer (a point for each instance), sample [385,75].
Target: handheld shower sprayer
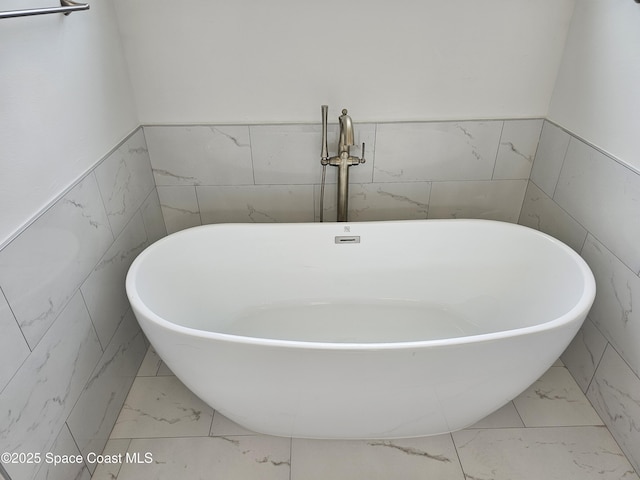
[325,149]
[324,157]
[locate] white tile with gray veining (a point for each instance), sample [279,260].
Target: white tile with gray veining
[64,470]
[13,346]
[604,197]
[223,427]
[229,458]
[256,204]
[553,453]
[150,364]
[555,399]
[162,407]
[410,458]
[290,154]
[505,417]
[542,213]
[115,450]
[163,370]
[518,144]
[40,397]
[490,200]
[200,154]
[574,450]
[436,151]
[104,290]
[617,292]
[152,217]
[615,393]
[179,207]
[99,405]
[43,267]
[583,354]
[125,180]
[549,158]
[379,201]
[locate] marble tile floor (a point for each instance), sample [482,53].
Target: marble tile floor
[549,432]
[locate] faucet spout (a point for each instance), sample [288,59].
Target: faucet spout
[343,161]
[346,132]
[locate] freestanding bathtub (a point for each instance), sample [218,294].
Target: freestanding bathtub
[359,330]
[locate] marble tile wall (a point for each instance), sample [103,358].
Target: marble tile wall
[591,201]
[70,346]
[271,173]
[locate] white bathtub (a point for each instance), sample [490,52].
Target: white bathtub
[422,327]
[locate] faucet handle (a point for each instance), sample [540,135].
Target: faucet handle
[362,160]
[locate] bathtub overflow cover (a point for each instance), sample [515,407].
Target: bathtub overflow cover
[347,239]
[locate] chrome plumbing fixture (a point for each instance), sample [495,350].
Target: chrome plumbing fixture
[343,161]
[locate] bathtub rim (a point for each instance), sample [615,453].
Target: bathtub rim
[579,310]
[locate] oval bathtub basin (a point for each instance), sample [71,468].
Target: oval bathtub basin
[359,330]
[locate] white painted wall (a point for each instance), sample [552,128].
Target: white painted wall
[67,97]
[597,95]
[250,61]
[66,101]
